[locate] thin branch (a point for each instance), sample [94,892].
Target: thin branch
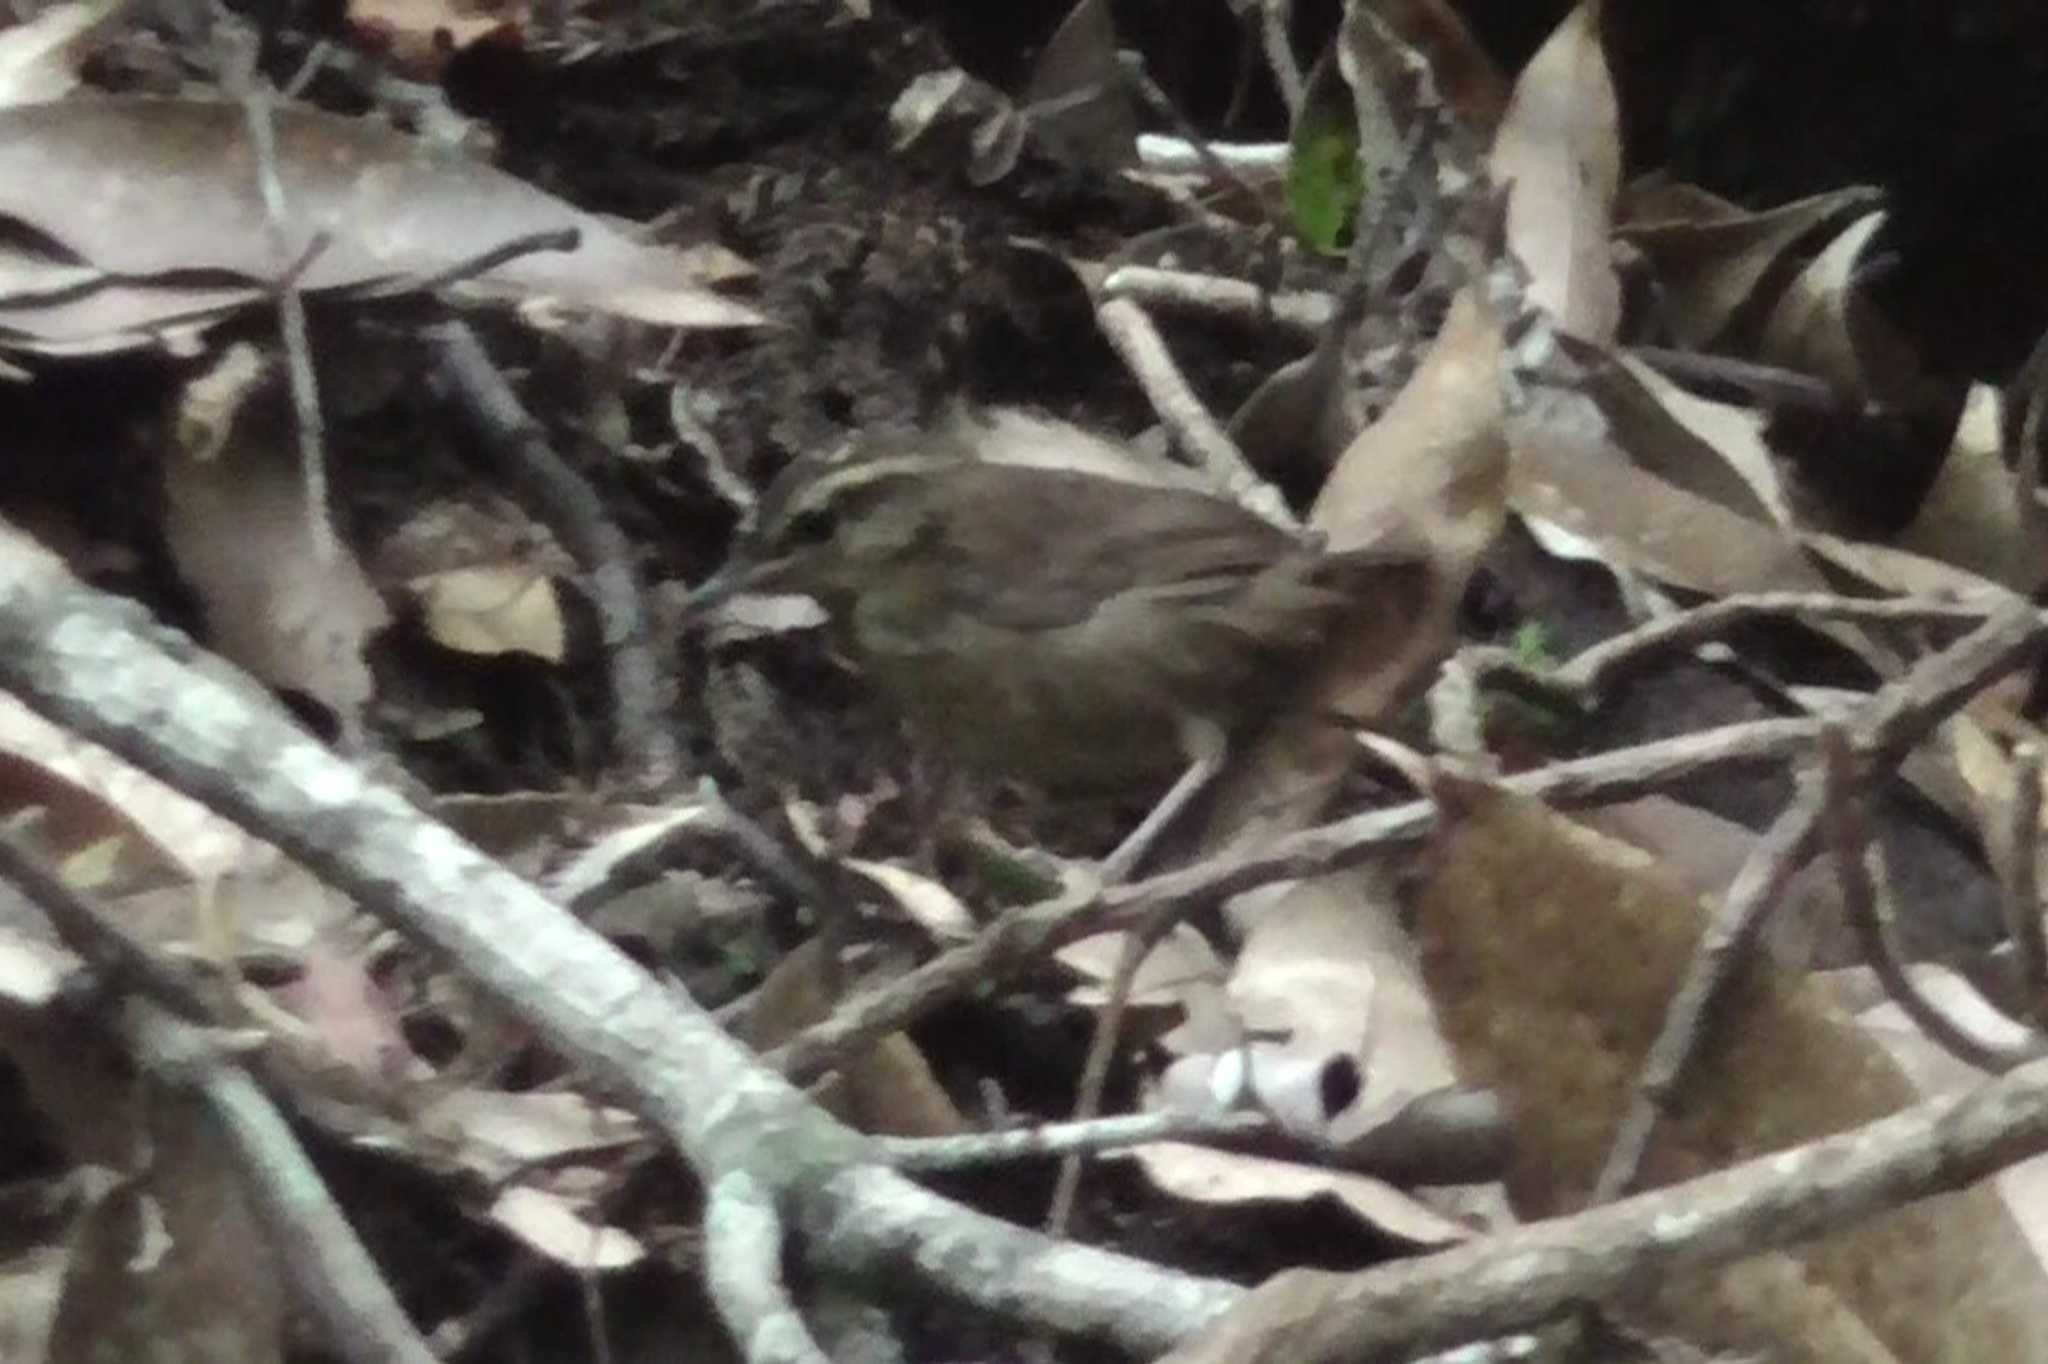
[1869,916]
[2021,883]
[1278,45]
[1893,720]
[1019,937]
[1131,333]
[566,503]
[335,1279]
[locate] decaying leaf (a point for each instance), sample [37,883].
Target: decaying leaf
[1552,954]
[1717,450]
[1076,103]
[1567,472]
[173,1265]
[1719,266]
[890,1089]
[1464,73]
[369,212]
[280,599]
[1181,972]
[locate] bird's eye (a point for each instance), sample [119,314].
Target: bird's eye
[812,526]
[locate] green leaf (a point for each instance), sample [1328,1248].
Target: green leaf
[1323,184]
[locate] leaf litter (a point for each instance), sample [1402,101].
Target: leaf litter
[1547,952]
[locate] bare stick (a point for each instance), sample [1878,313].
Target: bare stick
[562,499]
[1018,937]
[1848,837]
[1896,718]
[2022,898]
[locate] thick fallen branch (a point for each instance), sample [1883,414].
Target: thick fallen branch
[1520,1277]
[100,667]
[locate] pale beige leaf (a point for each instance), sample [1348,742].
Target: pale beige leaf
[418,36]
[1558,151]
[1979,514]
[1572,477]
[1704,433]
[496,1133]
[491,610]
[1196,1174]
[554,1227]
[927,902]
[1826,325]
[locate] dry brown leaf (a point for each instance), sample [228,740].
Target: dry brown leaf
[498,1133]
[1434,469]
[1553,953]
[1195,1174]
[1705,851]
[388,214]
[888,1090]
[88,794]
[1180,972]
[1567,473]
[1867,565]
[1718,265]
[1559,153]
[1693,441]
[1467,77]
[291,606]
[1826,325]
[1078,105]
[2024,1186]
[1430,475]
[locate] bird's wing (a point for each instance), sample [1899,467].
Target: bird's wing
[1048,547]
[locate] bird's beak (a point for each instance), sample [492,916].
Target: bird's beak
[760,575]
